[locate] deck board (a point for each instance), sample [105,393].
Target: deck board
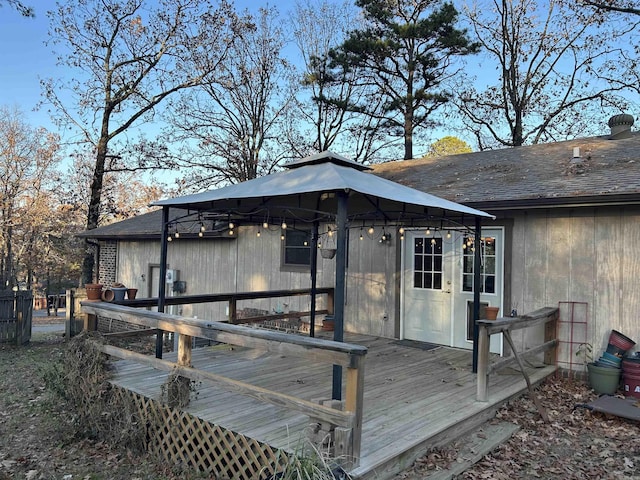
[411,396]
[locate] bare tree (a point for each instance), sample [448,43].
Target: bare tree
[236,116]
[548,57]
[127,58]
[21,8]
[28,158]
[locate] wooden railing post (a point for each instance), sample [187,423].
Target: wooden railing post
[483,364]
[348,441]
[233,310]
[330,302]
[550,334]
[90,322]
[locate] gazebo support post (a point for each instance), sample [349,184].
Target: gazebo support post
[476,291]
[339,295]
[162,287]
[314,271]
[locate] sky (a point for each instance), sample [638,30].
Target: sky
[25,59]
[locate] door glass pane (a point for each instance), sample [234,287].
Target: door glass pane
[427,263]
[487,265]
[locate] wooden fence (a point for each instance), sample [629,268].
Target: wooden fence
[16,309]
[347,423]
[547,316]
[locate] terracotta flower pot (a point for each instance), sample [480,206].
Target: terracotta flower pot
[94,291]
[131,293]
[491,313]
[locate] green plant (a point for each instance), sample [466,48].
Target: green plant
[307,463]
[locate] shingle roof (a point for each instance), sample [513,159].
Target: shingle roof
[545,173]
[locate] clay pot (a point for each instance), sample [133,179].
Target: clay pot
[491,313]
[94,291]
[131,293]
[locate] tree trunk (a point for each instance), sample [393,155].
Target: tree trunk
[93,216]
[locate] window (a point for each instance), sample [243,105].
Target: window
[427,263]
[297,249]
[488,265]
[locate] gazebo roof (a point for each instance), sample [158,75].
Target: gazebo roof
[306,192]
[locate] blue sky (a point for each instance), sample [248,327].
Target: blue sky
[24,57]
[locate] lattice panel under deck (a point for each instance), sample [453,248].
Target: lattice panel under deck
[180,438]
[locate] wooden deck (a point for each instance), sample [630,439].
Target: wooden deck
[414,399]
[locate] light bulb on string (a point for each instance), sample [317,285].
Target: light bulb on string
[169,239]
[231,233]
[177,235]
[202,228]
[265,225]
[200,234]
[371,230]
[258,234]
[401,230]
[448,235]
[428,231]
[231,226]
[284,225]
[282,236]
[361,236]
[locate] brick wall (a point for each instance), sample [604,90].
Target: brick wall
[107,262]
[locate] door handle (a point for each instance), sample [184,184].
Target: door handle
[446,291]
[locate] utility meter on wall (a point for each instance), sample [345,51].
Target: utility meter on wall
[172,276]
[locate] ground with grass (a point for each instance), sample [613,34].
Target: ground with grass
[38,439]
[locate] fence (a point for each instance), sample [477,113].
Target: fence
[16,309]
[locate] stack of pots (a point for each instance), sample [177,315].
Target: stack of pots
[605,373]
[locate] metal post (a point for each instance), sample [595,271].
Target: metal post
[163,275]
[477,265]
[314,271]
[339,296]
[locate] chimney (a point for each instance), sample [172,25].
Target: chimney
[620,126]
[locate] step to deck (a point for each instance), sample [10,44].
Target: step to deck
[472,447]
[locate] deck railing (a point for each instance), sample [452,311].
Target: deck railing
[547,316]
[347,422]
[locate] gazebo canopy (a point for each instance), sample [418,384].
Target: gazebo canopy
[306,191]
[330,188]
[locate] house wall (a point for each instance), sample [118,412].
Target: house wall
[587,255]
[372,284]
[247,263]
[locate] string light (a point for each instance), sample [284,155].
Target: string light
[428,232]
[231,233]
[330,232]
[169,239]
[177,235]
[231,226]
[282,236]
[258,234]
[284,225]
[361,236]
[202,228]
[448,234]
[401,230]
[370,231]
[265,225]
[200,234]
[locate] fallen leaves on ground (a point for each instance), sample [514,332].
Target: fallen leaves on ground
[576,444]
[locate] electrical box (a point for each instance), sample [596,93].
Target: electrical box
[179,286]
[172,276]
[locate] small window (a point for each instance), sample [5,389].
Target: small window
[297,248]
